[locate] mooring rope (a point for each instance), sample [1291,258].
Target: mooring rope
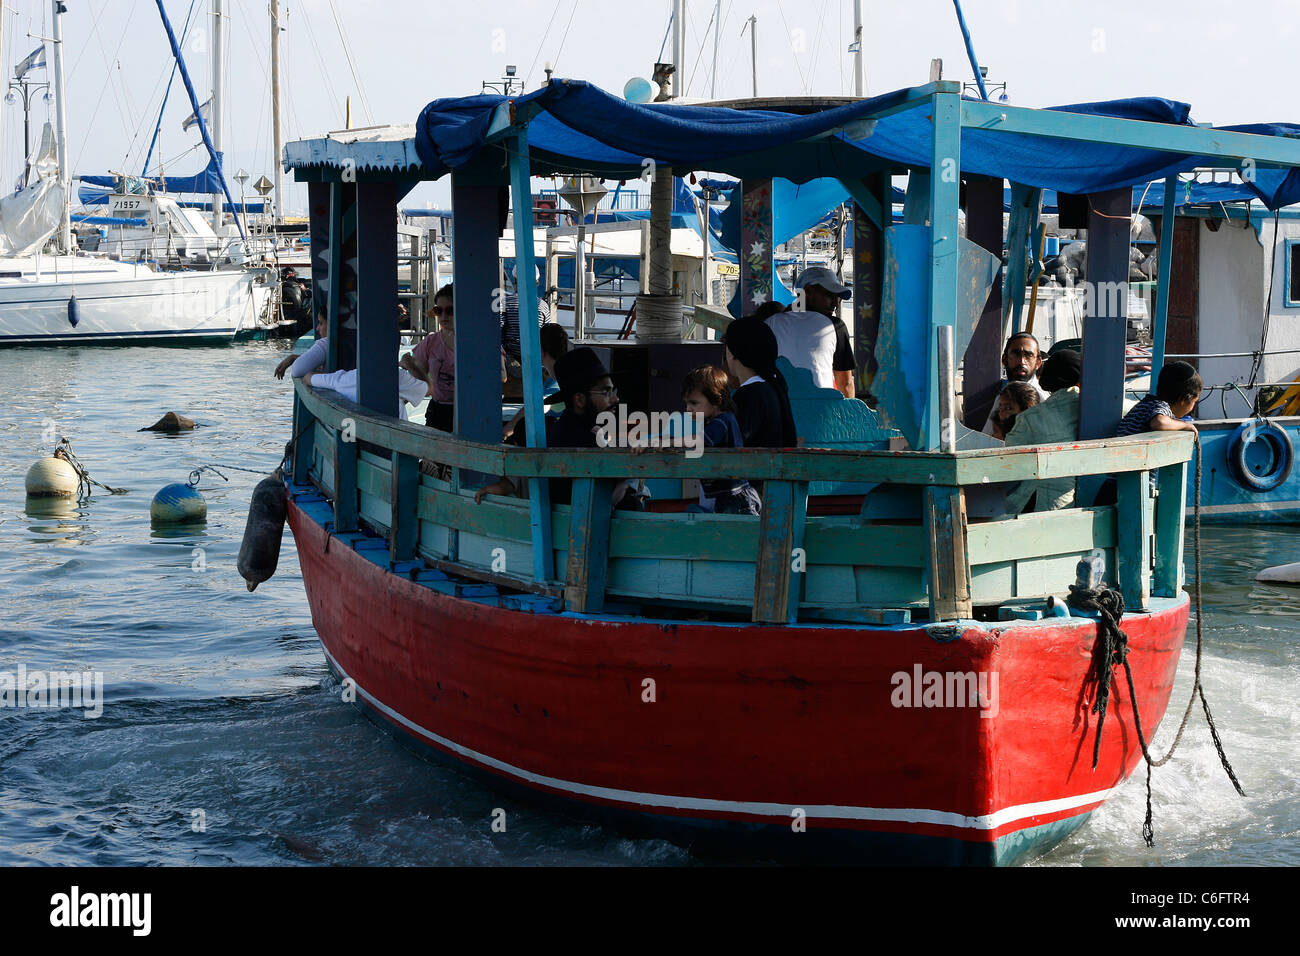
[63,450]
[1113,647]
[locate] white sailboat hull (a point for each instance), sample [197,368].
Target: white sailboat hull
[118,303]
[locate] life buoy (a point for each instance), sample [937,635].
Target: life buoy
[1254,435]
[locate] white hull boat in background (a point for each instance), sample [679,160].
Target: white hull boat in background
[81,300]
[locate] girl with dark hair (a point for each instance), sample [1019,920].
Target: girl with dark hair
[762,400]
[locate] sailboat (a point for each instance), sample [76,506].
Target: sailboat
[67,298]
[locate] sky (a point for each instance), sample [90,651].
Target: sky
[1233,63]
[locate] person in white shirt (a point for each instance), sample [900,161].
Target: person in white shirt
[1021,361]
[299,365]
[410,390]
[817,339]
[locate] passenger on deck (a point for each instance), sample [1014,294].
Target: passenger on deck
[1021,361]
[410,389]
[586,390]
[762,400]
[1178,389]
[510,331]
[1053,422]
[817,339]
[1015,397]
[309,361]
[434,361]
[705,392]
[555,342]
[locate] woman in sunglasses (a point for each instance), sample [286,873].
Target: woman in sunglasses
[434,361]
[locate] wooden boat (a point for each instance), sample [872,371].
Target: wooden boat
[860,673]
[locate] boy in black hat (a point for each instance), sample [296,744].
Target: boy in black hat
[586,390]
[1177,391]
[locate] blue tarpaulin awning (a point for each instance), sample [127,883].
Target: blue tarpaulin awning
[579,126]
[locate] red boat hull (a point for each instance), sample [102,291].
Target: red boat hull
[813,741]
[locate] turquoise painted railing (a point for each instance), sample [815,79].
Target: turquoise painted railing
[784,565]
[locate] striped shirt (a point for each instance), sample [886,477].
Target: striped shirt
[1138,419]
[510,325]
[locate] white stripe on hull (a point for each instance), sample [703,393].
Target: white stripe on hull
[989,821]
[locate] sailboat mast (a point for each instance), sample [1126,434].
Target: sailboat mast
[218,94]
[859,81]
[61,129]
[275,108]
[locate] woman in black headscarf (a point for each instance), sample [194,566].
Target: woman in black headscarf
[762,401]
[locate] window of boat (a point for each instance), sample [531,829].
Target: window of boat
[1293,273]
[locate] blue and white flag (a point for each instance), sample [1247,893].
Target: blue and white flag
[190,120]
[34,59]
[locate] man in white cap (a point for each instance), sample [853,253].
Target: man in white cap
[816,339]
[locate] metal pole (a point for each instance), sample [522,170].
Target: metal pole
[275,108]
[859,81]
[61,129]
[679,44]
[753,51]
[579,281]
[717,25]
[27,132]
[218,91]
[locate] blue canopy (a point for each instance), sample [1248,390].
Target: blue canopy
[208,181]
[579,126]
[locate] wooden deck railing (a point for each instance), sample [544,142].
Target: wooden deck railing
[913,561]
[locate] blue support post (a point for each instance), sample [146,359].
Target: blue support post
[539,493]
[334,273]
[1104,327]
[945,196]
[982,364]
[377,338]
[476,205]
[1163,282]
[1025,203]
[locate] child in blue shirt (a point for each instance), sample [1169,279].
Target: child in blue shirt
[1178,389]
[705,391]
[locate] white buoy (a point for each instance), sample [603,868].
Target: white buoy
[178,503]
[1282,574]
[52,478]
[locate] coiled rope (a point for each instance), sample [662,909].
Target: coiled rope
[63,450]
[1112,649]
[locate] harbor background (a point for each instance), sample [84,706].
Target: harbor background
[219,700]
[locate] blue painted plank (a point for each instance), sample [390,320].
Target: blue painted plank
[405,482]
[1170,510]
[1133,545]
[589,531]
[345,484]
[782,562]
